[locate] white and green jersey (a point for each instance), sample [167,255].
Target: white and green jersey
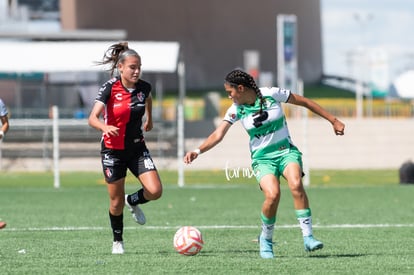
[3,109]
[269,134]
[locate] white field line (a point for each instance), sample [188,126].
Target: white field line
[87,228]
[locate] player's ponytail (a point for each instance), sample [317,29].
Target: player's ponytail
[115,54]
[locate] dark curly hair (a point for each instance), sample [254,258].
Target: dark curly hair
[239,77]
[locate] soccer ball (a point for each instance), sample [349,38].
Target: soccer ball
[188,240]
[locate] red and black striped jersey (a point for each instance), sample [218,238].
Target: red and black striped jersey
[124,108]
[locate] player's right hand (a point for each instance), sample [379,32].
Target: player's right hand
[110,130]
[190,156]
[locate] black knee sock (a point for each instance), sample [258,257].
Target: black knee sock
[117,225]
[137,198]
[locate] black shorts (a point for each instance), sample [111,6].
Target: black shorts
[115,163]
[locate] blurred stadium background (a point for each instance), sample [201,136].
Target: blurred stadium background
[379,125]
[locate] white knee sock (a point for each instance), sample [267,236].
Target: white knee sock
[267,231]
[306,226]
[304,217]
[268,226]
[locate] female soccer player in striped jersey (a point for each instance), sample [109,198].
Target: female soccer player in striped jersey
[273,153]
[123,101]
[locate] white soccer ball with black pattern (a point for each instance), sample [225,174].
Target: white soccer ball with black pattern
[188,240]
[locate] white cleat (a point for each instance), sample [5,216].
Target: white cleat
[118,247]
[137,213]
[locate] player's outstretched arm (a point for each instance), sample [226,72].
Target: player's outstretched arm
[4,126]
[213,139]
[338,126]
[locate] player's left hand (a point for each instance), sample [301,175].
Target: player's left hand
[339,127]
[148,126]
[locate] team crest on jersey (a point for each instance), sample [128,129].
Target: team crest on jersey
[141,96]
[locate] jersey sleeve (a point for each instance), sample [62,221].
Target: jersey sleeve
[279,94]
[148,89]
[231,114]
[104,92]
[3,109]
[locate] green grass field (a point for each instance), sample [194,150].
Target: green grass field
[364,218]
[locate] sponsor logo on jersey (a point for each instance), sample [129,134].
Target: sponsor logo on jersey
[118,96]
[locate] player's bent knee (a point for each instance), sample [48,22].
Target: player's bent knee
[153,194]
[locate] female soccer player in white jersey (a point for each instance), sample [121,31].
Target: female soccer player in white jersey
[272,150]
[3,130]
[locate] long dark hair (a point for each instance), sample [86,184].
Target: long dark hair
[239,77]
[116,54]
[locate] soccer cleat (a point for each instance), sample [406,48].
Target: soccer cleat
[137,213]
[311,244]
[266,248]
[118,247]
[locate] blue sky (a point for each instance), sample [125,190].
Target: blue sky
[383,24]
